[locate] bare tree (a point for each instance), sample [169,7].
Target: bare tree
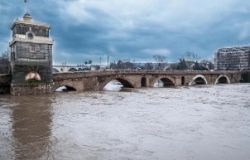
[182,64]
[192,56]
[5,54]
[160,58]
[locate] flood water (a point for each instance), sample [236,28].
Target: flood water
[196,123]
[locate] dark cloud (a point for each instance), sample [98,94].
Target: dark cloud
[89,31]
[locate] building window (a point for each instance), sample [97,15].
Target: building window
[32,48]
[30,36]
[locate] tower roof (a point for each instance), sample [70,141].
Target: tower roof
[27,17]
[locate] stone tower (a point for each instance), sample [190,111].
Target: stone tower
[31,57]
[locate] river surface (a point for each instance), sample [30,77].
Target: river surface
[187,123]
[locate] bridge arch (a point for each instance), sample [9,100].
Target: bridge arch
[167,81]
[126,83]
[143,82]
[33,76]
[65,88]
[54,70]
[72,70]
[198,80]
[222,79]
[182,80]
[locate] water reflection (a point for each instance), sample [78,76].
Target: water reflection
[31,127]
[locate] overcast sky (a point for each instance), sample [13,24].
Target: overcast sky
[134,29]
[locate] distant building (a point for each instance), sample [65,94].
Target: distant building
[235,58]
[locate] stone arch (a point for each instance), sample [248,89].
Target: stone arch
[167,81]
[54,70]
[72,70]
[33,76]
[126,83]
[222,79]
[182,80]
[143,82]
[65,88]
[198,80]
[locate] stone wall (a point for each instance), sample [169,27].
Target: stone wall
[4,89]
[5,84]
[245,77]
[19,72]
[38,89]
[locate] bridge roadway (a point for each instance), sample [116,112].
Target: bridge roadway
[96,80]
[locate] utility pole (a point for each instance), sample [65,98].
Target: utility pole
[108,63]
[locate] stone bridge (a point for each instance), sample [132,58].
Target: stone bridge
[95,81]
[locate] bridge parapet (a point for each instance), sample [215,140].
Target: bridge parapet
[96,80]
[136,72]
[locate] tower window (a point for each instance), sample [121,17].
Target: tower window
[30,36]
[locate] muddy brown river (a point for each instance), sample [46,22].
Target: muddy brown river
[187,123]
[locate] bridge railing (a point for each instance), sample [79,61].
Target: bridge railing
[103,72]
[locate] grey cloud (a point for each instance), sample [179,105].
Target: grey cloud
[126,28]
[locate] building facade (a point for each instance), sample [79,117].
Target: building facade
[235,58]
[30,57]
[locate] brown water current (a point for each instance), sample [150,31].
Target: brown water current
[186,123]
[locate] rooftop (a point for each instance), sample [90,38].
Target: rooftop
[27,19]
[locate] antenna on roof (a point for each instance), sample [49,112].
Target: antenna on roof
[27,17]
[25,6]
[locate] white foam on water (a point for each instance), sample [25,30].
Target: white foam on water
[158,84]
[61,89]
[113,85]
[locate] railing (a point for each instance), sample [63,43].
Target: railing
[150,72]
[76,75]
